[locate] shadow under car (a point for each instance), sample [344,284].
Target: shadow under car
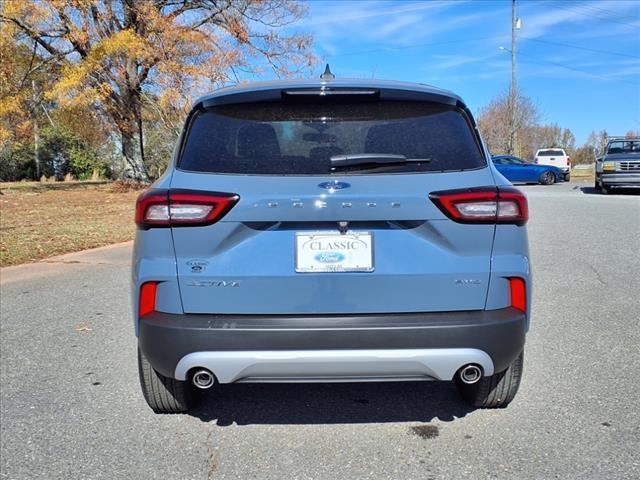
[330,403]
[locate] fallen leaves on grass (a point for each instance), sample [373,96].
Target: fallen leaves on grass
[34,226]
[123,186]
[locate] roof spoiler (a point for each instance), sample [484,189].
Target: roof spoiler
[325,92]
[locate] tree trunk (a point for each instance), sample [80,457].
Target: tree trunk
[134,167]
[128,119]
[36,132]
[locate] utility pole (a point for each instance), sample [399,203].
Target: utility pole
[513,93]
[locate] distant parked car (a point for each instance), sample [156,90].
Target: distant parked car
[555,157]
[619,166]
[517,170]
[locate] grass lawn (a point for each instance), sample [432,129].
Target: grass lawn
[39,222]
[584,174]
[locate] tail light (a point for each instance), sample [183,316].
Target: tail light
[568,161]
[518,293]
[535,160]
[147,303]
[181,208]
[504,205]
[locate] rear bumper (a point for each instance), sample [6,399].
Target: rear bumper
[620,179]
[391,346]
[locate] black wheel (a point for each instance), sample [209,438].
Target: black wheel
[547,178]
[496,391]
[597,186]
[604,189]
[163,394]
[567,177]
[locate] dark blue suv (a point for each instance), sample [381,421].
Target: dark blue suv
[330,230]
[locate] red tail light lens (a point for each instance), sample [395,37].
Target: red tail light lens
[512,206]
[177,208]
[147,302]
[149,207]
[568,161]
[505,205]
[518,293]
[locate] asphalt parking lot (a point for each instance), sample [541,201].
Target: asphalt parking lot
[71,405]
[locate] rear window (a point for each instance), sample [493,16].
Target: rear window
[300,138]
[550,153]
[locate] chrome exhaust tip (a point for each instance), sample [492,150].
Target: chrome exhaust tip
[470,374]
[203,379]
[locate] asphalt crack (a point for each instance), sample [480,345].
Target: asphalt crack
[598,276]
[212,457]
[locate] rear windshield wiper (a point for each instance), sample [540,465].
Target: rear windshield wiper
[338,161]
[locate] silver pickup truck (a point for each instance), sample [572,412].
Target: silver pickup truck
[619,165]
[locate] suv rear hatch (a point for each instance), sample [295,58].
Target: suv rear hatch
[278,250]
[555,157]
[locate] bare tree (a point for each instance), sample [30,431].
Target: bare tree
[597,141]
[494,121]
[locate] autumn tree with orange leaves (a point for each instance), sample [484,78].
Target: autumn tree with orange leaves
[120,55]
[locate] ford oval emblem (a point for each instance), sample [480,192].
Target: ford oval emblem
[334,185]
[329,257]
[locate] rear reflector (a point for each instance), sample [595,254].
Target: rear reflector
[518,293]
[178,208]
[147,298]
[483,205]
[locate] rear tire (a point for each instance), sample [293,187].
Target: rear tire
[496,391]
[567,177]
[604,190]
[597,186]
[163,394]
[547,178]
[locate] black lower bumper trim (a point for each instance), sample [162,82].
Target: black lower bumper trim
[166,338]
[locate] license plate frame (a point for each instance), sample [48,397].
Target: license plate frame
[356,260]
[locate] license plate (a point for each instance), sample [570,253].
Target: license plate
[334,252]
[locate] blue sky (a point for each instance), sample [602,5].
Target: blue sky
[578,60]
